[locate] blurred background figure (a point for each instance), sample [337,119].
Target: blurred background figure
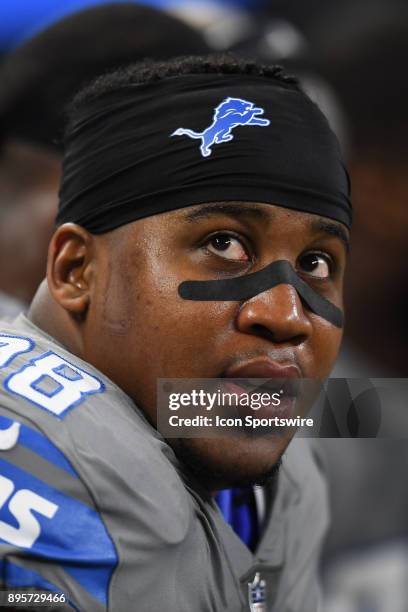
[366,63]
[21,20]
[29,181]
[37,80]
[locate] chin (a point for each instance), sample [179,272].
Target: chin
[221,463]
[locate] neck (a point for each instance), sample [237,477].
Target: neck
[49,316]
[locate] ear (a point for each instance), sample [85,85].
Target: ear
[70,267]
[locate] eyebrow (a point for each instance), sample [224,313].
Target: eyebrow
[332,229]
[321,225]
[232,210]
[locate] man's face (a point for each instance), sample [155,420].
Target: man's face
[139,329]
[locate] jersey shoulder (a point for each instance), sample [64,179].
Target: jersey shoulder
[78,458]
[89,419]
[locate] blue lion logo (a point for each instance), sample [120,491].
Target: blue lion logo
[228,115]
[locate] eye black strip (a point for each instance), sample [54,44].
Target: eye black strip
[245,287]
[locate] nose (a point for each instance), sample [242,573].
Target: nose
[276,314]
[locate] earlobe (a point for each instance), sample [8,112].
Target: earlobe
[69,269]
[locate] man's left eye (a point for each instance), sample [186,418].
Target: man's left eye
[227,246]
[317,265]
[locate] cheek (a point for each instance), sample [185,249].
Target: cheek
[166,335]
[181,336]
[326,345]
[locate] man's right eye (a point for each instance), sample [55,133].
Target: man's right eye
[227,246]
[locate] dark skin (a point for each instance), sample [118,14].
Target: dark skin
[113,301]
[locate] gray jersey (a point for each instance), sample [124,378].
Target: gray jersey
[94,503]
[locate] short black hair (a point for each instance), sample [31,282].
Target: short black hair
[146,72]
[42,75]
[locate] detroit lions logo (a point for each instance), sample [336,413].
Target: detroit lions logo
[228,115]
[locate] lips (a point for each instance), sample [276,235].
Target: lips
[263,368]
[244,378]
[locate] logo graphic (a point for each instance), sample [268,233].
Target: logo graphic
[257,594]
[228,115]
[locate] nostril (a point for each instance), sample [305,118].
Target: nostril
[262,331]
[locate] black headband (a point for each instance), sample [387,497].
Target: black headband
[150,148]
